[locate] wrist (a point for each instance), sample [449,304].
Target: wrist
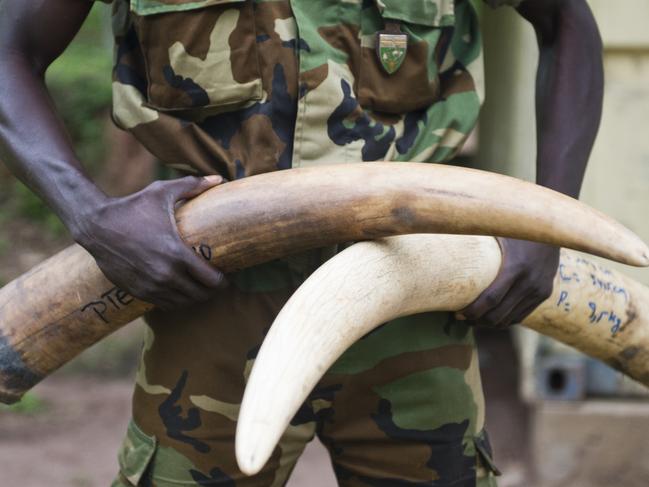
[84,209]
[524,250]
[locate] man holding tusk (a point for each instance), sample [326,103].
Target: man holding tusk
[232,88]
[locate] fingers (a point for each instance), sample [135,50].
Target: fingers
[205,273]
[192,280]
[501,316]
[139,287]
[199,271]
[172,285]
[523,310]
[182,291]
[489,299]
[524,281]
[140,250]
[189,186]
[197,280]
[187,291]
[507,302]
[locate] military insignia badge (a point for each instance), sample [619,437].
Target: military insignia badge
[391,47]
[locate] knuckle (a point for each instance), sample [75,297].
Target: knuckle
[545,292]
[163,276]
[517,268]
[517,319]
[523,271]
[149,293]
[191,180]
[156,186]
[540,291]
[187,183]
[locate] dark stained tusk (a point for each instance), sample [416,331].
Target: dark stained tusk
[65,305]
[600,312]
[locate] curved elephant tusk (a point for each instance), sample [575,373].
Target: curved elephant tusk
[60,308]
[600,312]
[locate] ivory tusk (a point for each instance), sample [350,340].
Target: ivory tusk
[599,312]
[60,308]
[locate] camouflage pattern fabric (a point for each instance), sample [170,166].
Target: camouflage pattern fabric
[242,87]
[402,407]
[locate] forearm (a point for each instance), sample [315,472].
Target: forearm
[33,140]
[569,97]
[35,145]
[569,107]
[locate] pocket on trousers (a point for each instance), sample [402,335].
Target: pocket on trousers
[135,455]
[198,54]
[415,84]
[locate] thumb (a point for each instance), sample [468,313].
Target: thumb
[191,186]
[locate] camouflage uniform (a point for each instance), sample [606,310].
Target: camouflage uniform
[242,87]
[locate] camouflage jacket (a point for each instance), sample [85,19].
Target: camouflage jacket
[241,87]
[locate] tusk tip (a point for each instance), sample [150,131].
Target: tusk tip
[251,451]
[637,256]
[248,468]
[642,259]
[248,462]
[645,259]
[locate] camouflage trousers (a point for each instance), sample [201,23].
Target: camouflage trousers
[402,407]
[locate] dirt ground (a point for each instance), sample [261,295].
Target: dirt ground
[73,441]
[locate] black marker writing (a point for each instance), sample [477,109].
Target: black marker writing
[204,251]
[114,297]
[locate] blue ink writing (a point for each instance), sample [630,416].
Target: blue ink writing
[563,300]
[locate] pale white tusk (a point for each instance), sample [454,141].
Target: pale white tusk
[602,313]
[61,307]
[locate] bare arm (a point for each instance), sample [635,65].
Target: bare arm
[33,141]
[569,90]
[569,95]
[133,239]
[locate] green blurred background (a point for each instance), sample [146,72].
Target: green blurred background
[80,85]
